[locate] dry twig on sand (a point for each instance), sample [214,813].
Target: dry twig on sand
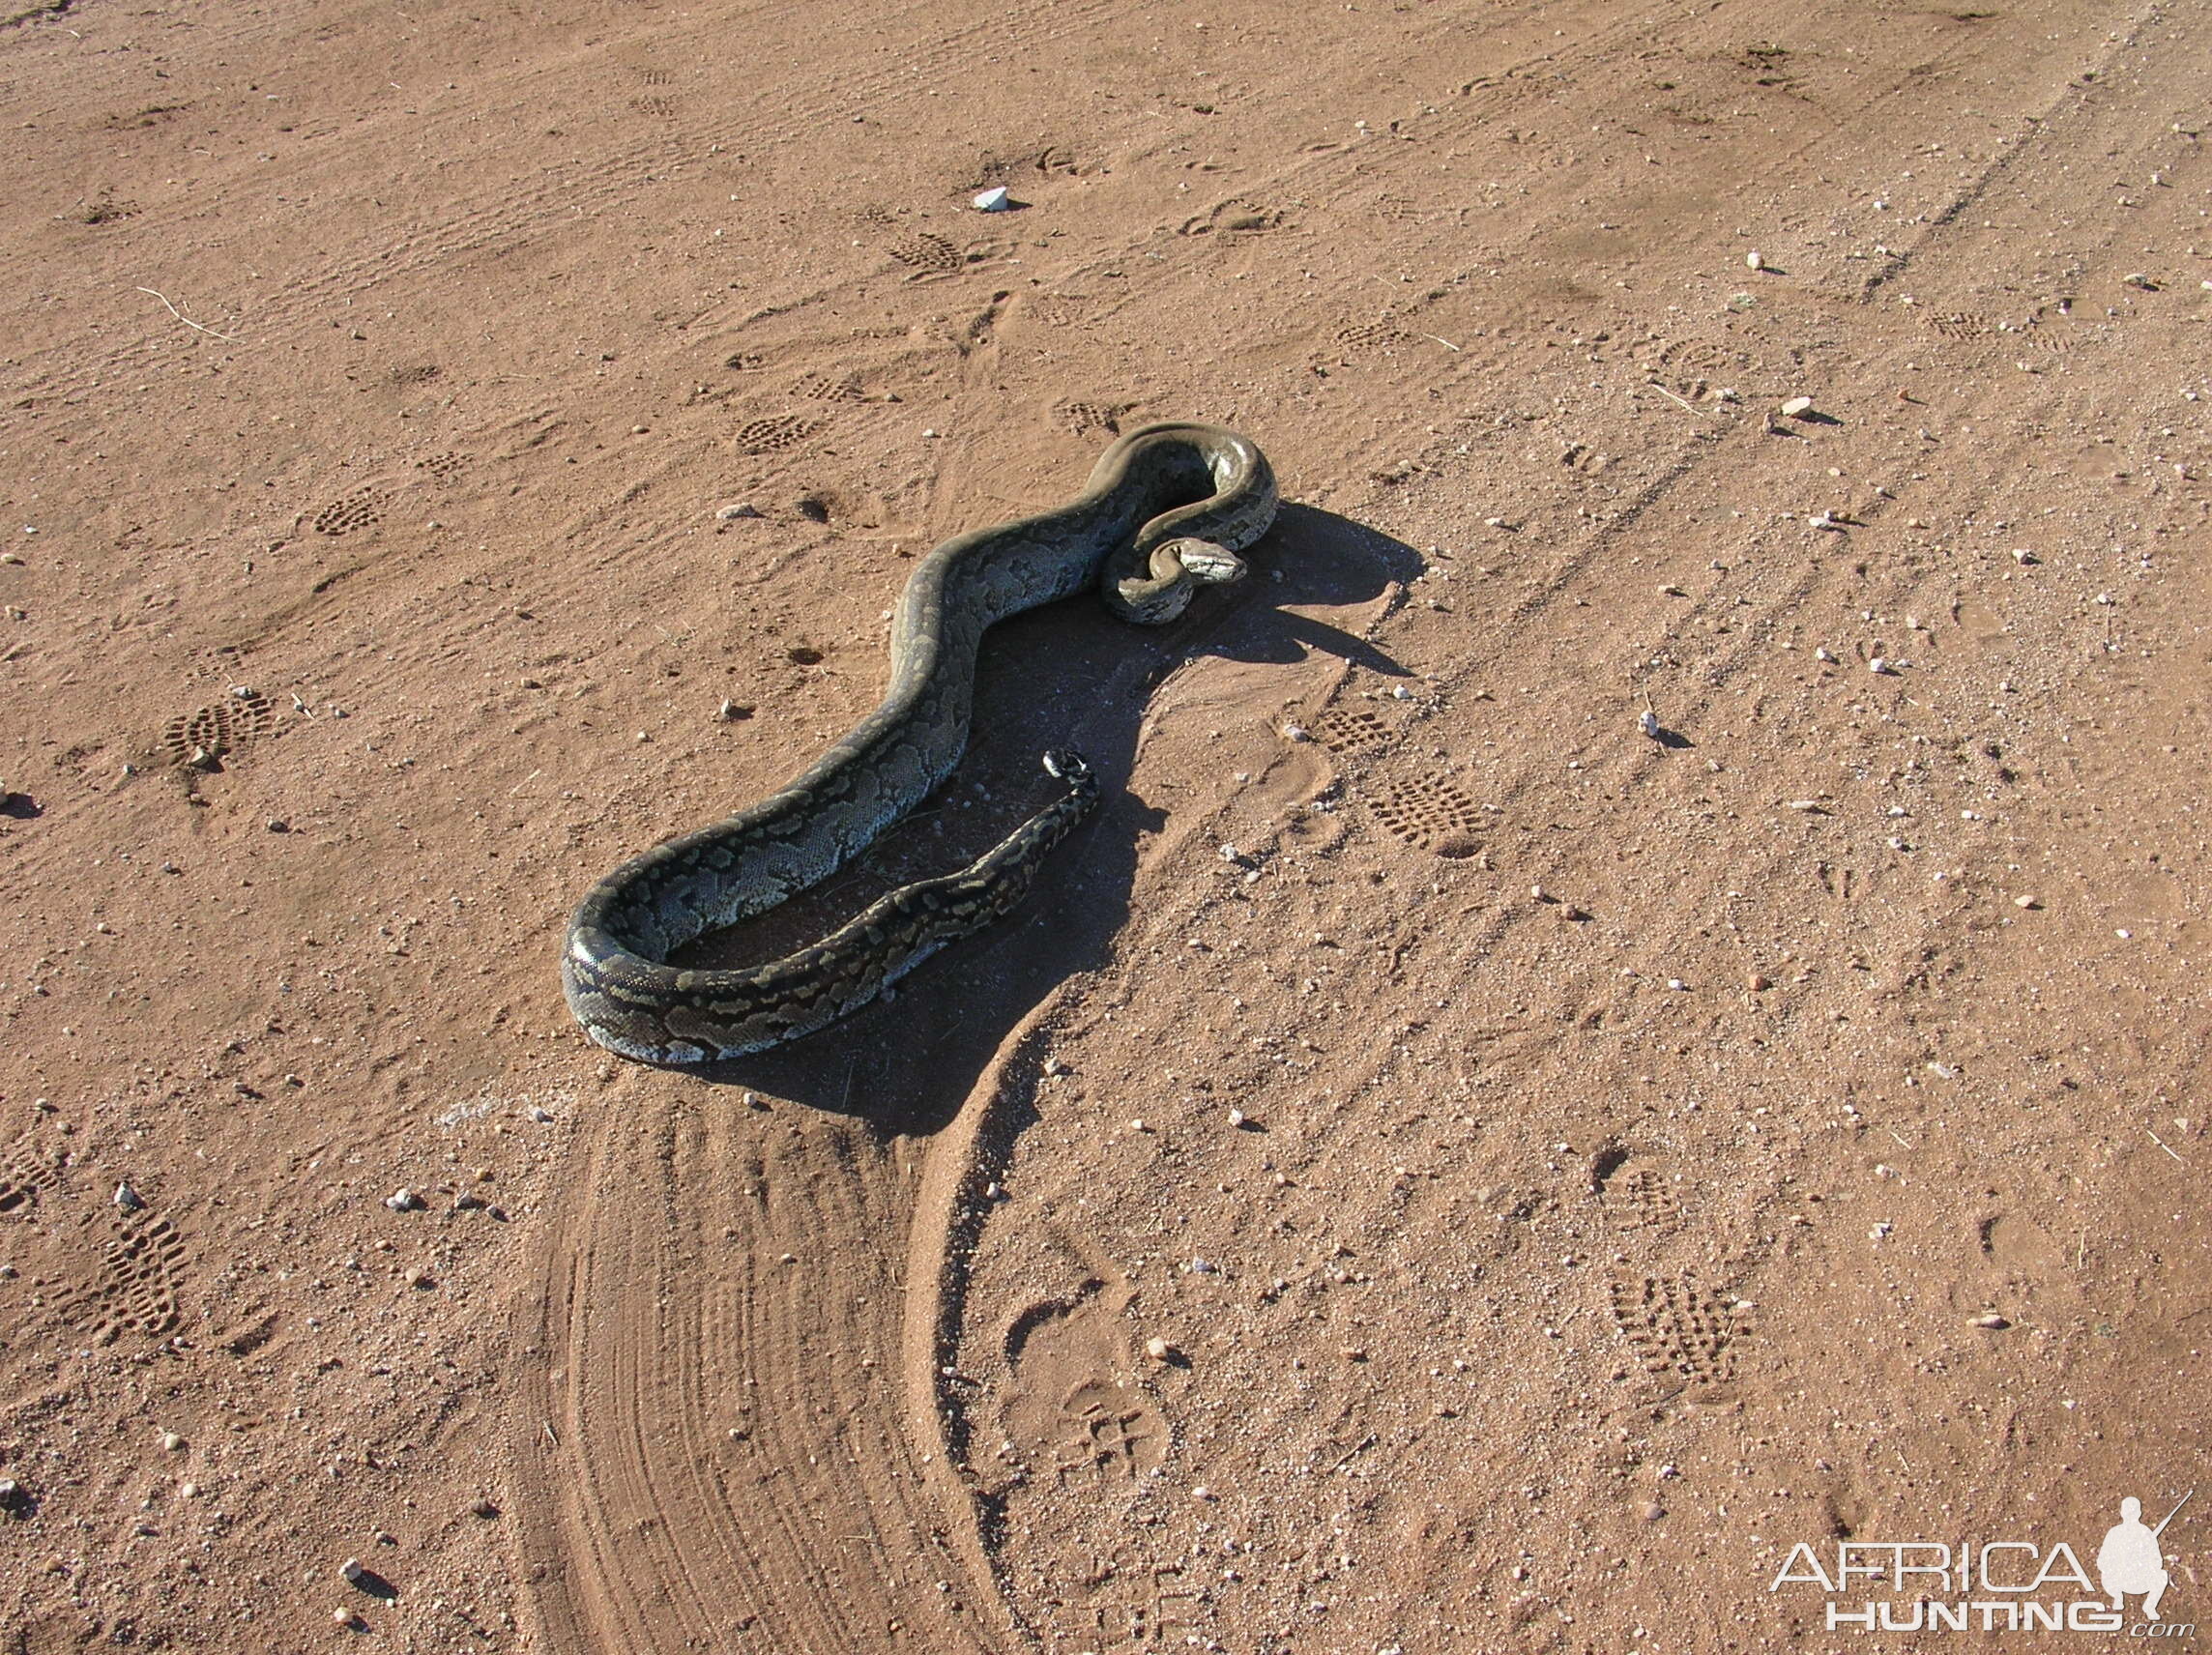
[188,321]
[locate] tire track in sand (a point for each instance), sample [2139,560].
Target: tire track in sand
[717,1459]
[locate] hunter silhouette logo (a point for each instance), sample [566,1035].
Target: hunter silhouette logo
[1995,1585]
[2130,1560]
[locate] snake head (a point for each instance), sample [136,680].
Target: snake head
[1067,766]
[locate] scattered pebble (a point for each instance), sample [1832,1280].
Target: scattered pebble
[1881,665]
[1992,1322]
[172,1442]
[2022,555]
[1652,1511]
[1158,1348]
[345,1618]
[1757,983]
[741,509]
[1754,260]
[1648,721]
[1795,406]
[403,1201]
[994,200]
[278,825]
[483,1508]
[1138,1125]
[2026,902]
[128,1199]
[354,1570]
[1236,1117]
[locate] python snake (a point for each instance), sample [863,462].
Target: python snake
[1167,509]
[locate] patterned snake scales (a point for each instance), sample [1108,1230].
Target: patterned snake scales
[1168,507]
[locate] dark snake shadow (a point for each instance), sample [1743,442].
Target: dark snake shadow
[1064,676]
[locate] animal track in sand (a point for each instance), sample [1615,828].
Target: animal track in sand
[219,727]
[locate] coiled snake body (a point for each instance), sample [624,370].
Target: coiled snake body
[1167,509]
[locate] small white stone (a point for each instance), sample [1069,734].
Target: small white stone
[993,200]
[1648,721]
[1795,406]
[128,1199]
[403,1200]
[1755,261]
[1297,733]
[1881,665]
[1822,655]
[1138,1125]
[741,509]
[1236,1117]
[172,1442]
[1158,1349]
